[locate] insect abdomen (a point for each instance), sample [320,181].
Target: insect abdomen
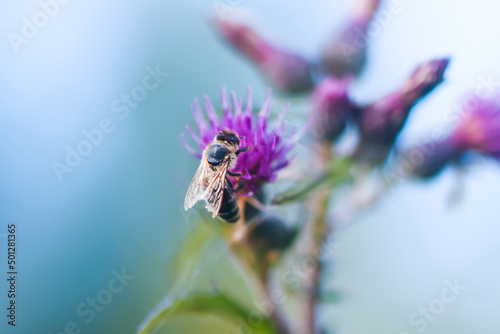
[229,210]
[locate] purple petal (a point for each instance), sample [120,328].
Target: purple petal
[194,135]
[198,116]
[226,109]
[281,116]
[237,105]
[248,110]
[189,148]
[301,132]
[212,115]
[266,107]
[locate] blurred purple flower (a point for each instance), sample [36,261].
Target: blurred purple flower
[480,127]
[381,122]
[346,54]
[331,106]
[429,159]
[478,130]
[287,71]
[268,145]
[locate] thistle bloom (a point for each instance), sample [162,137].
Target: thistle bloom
[268,145]
[331,108]
[346,54]
[480,127]
[381,122]
[478,130]
[287,71]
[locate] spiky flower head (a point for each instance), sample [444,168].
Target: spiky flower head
[479,128]
[269,145]
[285,70]
[331,106]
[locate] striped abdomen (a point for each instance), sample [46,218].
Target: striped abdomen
[229,210]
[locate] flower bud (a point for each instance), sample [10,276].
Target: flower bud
[331,107]
[380,122]
[429,159]
[251,211]
[479,128]
[287,71]
[346,54]
[271,234]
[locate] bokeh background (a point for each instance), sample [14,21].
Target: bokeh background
[120,208]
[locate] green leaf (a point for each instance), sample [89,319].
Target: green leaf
[207,303]
[336,172]
[331,296]
[191,251]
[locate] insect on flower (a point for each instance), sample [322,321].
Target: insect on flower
[210,182]
[269,144]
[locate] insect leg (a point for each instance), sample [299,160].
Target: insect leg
[239,186]
[234,174]
[230,185]
[243,149]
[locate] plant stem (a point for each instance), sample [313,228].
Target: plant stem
[258,276]
[318,206]
[257,267]
[276,316]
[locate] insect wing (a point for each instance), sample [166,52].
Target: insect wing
[215,190]
[196,189]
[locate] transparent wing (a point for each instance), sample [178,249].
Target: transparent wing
[215,190]
[197,187]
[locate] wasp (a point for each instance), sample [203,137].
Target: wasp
[210,183]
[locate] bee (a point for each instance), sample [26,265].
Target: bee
[210,183]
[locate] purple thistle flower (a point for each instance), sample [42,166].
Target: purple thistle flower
[331,108]
[285,70]
[268,145]
[480,128]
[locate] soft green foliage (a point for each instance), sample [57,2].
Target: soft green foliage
[216,304]
[191,249]
[336,172]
